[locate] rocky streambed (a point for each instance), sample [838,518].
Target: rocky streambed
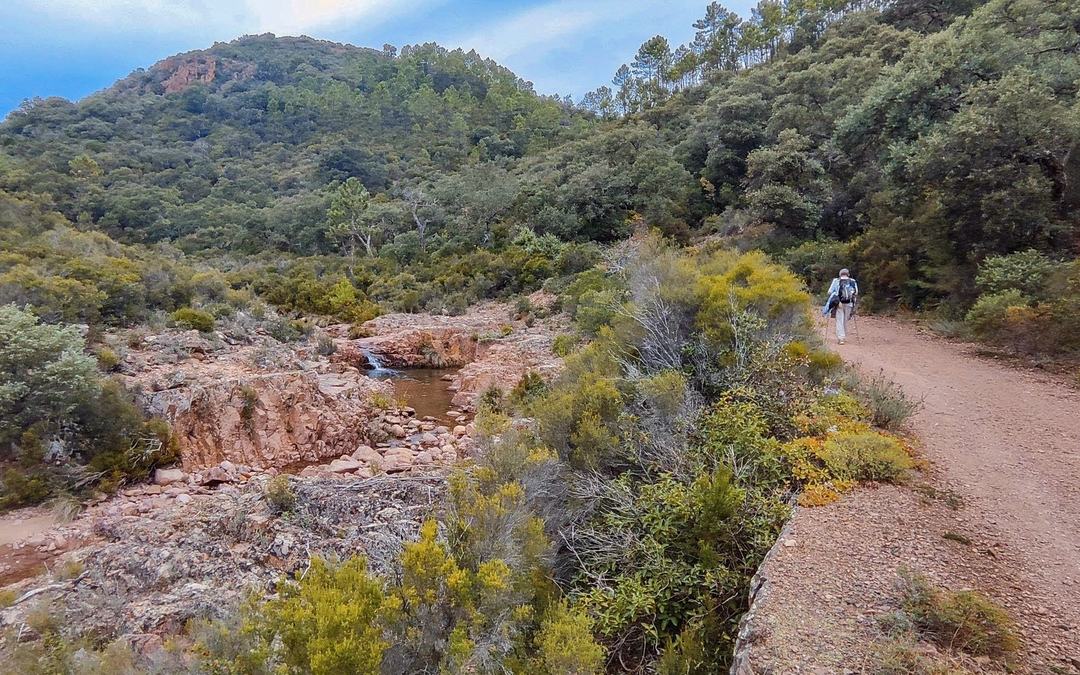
[366,457]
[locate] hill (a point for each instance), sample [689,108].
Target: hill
[234,147]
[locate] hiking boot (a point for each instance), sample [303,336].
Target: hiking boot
[841,342]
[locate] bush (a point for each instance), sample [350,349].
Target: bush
[23,489]
[528,388]
[283,330]
[563,345]
[866,455]
[325,623]
[565,643]
[107,359]
[51,390]
[686,655]
[279,494]
[249,399]
[889,406]
[992,316]
[1025,272]
[195,319]
[44,374]
[382,401]
[966,621]
[817,261]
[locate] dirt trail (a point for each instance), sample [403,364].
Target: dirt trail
[998,511]
[1007,440]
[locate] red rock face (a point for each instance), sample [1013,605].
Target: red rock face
[491,348]
[187,72]
[263,421]
[428,347]
[259,405]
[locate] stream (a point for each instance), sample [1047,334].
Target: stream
[426,390]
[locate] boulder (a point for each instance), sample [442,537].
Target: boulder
[169,476]
[368,456]
[345,465]
[398,459]
[214,475]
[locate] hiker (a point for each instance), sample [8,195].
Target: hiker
[843,295]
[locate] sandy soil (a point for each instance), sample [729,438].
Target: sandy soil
[1004,449]
[15,529]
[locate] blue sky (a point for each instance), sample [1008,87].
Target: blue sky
[71,48]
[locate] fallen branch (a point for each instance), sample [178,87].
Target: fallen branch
[68,585]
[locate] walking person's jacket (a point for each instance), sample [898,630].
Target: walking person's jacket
[834,294]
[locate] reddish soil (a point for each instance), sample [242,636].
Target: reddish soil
[1003,444]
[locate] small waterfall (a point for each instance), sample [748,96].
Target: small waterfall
[372,360]
[375,367]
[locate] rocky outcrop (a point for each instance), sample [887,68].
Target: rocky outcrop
[278,419]
[200,68]
[180,72]
[421,347]
[501,365]
[491,346]
[153,558]
[260,405]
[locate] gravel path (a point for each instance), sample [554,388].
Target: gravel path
[1004,449]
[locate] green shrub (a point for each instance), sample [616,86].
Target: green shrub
[866,455]
[818,261]
[382,401]
[522,307]
[194,319]
[594,310]
[965,621]
[994,316]
[249,399]
[52,390]
[1026,272]
[686,655]
[282,330]
[671,562]
[564,344]
[44,374]
[107,359]
[325,623]
[279,494]
[528,388]
[565,643]
[23,489]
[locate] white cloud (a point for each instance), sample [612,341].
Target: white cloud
[285,17]
[538,27]
[540,30]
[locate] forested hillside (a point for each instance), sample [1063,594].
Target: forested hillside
[918,145]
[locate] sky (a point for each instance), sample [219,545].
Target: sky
[72,48]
